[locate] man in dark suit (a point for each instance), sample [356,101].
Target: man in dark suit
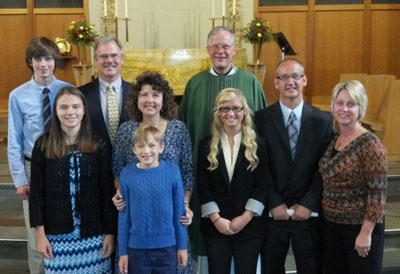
[295,134]
[109,56]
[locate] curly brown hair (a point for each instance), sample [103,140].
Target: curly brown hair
[158,83]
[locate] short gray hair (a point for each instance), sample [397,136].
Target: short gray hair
[217,29]
[106,39]
[357,93]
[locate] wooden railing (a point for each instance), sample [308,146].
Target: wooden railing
[383,111]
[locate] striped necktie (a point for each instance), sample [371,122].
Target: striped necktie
[113,113]
[292,133]
[46,111]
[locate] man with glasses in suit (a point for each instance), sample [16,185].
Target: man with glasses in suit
[295,134]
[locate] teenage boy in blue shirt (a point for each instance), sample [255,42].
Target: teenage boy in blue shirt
[26,124]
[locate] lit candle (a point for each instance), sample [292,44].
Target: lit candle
[105,8]
[212,10]
[126,8]
[116,8]
[234,7]
[223,8]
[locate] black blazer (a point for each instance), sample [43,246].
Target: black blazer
[231,197]
[91,91]
[295,181]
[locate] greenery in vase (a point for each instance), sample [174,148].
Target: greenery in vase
[81,33]
[257,31]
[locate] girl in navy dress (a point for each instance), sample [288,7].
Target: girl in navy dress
[71,189]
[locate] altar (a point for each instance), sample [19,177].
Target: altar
[176,65]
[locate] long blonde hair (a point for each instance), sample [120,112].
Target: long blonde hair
[217,128]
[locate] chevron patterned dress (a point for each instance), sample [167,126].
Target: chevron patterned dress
[72,253]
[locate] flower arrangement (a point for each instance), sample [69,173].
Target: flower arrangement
[257,31]
[81,33]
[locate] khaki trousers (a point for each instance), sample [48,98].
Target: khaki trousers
[35,259]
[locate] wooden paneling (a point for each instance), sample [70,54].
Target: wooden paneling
[59,24]
[391,136]
[19,26]
[12,53]
[334,39]
[385,42]
[338,48]
[293,25]
[377,87]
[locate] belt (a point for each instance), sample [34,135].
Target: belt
[26,158]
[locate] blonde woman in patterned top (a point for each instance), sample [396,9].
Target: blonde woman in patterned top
[354,170]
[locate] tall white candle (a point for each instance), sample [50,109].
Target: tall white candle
[234,7]
[223,7]
[126,8]
[116,8]
[212,10]
[105,8]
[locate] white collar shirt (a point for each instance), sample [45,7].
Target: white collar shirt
[230,156]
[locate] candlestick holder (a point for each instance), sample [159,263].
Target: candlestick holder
[213,21]
[110,24]
[223,20]
[126,19]
[234,22]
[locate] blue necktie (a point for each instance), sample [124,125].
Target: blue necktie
[292,133]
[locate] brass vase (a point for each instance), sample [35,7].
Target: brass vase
[81,54]
[257,52]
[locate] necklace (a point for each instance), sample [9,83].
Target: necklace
[342,141]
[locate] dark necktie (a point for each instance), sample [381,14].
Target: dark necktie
[46,111]
[292,133]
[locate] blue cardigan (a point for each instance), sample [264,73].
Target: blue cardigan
[155,203]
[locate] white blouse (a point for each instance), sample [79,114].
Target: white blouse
[230,156]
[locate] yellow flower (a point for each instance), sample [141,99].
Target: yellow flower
[91,26]
[81,27]
[258,24]
[72,22]
[80,36]
[71,27]
[259,34]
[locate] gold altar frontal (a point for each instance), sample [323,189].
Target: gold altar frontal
[176,65]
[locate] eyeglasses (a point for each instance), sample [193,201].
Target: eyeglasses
[235,109]
[218,47]
[105,57]
[294,76]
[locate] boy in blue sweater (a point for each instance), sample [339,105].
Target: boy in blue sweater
[150,235]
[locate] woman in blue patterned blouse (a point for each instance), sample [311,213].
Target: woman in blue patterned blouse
[151,103]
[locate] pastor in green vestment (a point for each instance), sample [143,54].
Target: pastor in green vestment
[196,108]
